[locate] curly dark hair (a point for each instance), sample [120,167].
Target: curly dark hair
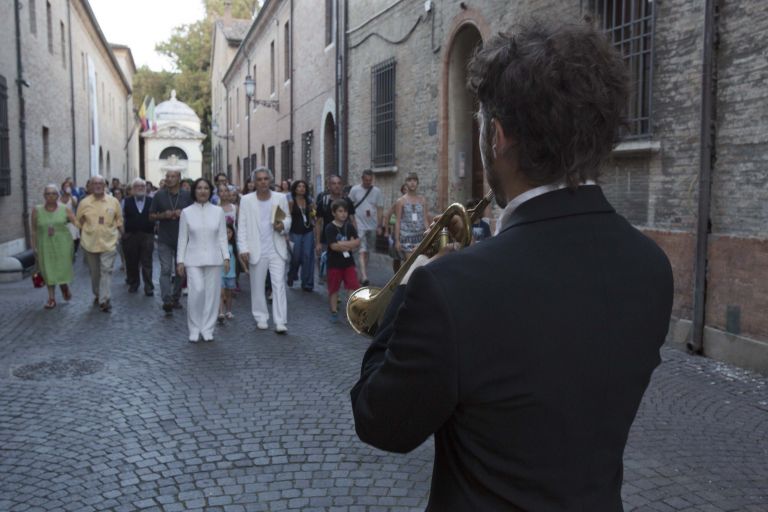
[296,184]
[559,90]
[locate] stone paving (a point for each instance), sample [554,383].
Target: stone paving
[118,412]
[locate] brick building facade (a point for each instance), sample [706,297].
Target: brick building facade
[407,61]
[78,118]
[291,125]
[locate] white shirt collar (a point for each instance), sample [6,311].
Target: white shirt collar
[515,203]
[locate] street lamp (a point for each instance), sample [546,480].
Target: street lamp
[215,131]
[250,92]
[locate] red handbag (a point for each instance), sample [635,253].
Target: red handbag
[37,280]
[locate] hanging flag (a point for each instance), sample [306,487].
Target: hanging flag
[151,118]
[143,114]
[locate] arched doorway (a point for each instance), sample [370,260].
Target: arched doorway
[173,150]
[465,169]
[329,147]
[264,156]
[101,161]
[109,166]
[237,170]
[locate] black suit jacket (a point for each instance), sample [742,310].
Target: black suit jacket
[526,355]
[137,221]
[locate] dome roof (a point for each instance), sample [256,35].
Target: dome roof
[175,110]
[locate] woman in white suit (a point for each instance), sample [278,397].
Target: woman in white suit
[261,241]
[201,251]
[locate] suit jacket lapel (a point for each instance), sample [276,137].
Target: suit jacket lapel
[560,203]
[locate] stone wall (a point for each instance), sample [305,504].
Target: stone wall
[11,206]
[653,182]
[46,62]
[314,91]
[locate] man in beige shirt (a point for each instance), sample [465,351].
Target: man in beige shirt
[101,221]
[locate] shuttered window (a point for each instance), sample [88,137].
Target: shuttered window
[5,149]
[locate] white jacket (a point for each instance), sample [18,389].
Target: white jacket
[248,226]
[202,236]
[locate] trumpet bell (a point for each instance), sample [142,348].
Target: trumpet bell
[365,309]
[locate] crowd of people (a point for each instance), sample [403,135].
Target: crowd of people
[208,234]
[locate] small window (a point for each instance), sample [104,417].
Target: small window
[32,16]
[63,47]
[255,82]
[328,22]
[272,66]
[5,147]
[630,26]
[383,114]
[49,15]
[286,159]
[46,148]
[287,50]
[271,159]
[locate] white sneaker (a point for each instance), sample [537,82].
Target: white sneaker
[281,329]
[262,325]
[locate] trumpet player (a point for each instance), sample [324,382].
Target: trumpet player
[531,400]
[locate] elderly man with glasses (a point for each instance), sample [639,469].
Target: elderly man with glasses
[101,221]
[139,238]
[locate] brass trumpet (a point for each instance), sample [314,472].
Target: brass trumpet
[367,305]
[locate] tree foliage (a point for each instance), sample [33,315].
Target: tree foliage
[155,84]
[189,47]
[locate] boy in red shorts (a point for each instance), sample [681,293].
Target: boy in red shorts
[342,240]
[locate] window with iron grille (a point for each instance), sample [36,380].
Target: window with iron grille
[383,114]
[5,149]
[630,26]
[271,159]
[286,159]
[50,26]
[63,45]
[306,156]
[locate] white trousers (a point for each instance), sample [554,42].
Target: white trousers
[203,297]
[276,266]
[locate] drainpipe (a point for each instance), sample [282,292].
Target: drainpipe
[72,93]
[291,78]
[344,132]
[337,88]
[226,130]
[20,83]
[706,158]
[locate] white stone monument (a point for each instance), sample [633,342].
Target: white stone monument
[177,135]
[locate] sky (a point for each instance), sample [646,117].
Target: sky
[140,24]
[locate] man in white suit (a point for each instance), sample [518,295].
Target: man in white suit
[263,247]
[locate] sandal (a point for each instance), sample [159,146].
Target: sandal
[221,318]
[229,315]
[66,293]
[50,304]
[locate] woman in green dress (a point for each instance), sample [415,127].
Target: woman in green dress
[52,243]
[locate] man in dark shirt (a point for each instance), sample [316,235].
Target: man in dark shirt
[166,210]
[139,238]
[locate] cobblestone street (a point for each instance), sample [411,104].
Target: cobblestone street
[118,412]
